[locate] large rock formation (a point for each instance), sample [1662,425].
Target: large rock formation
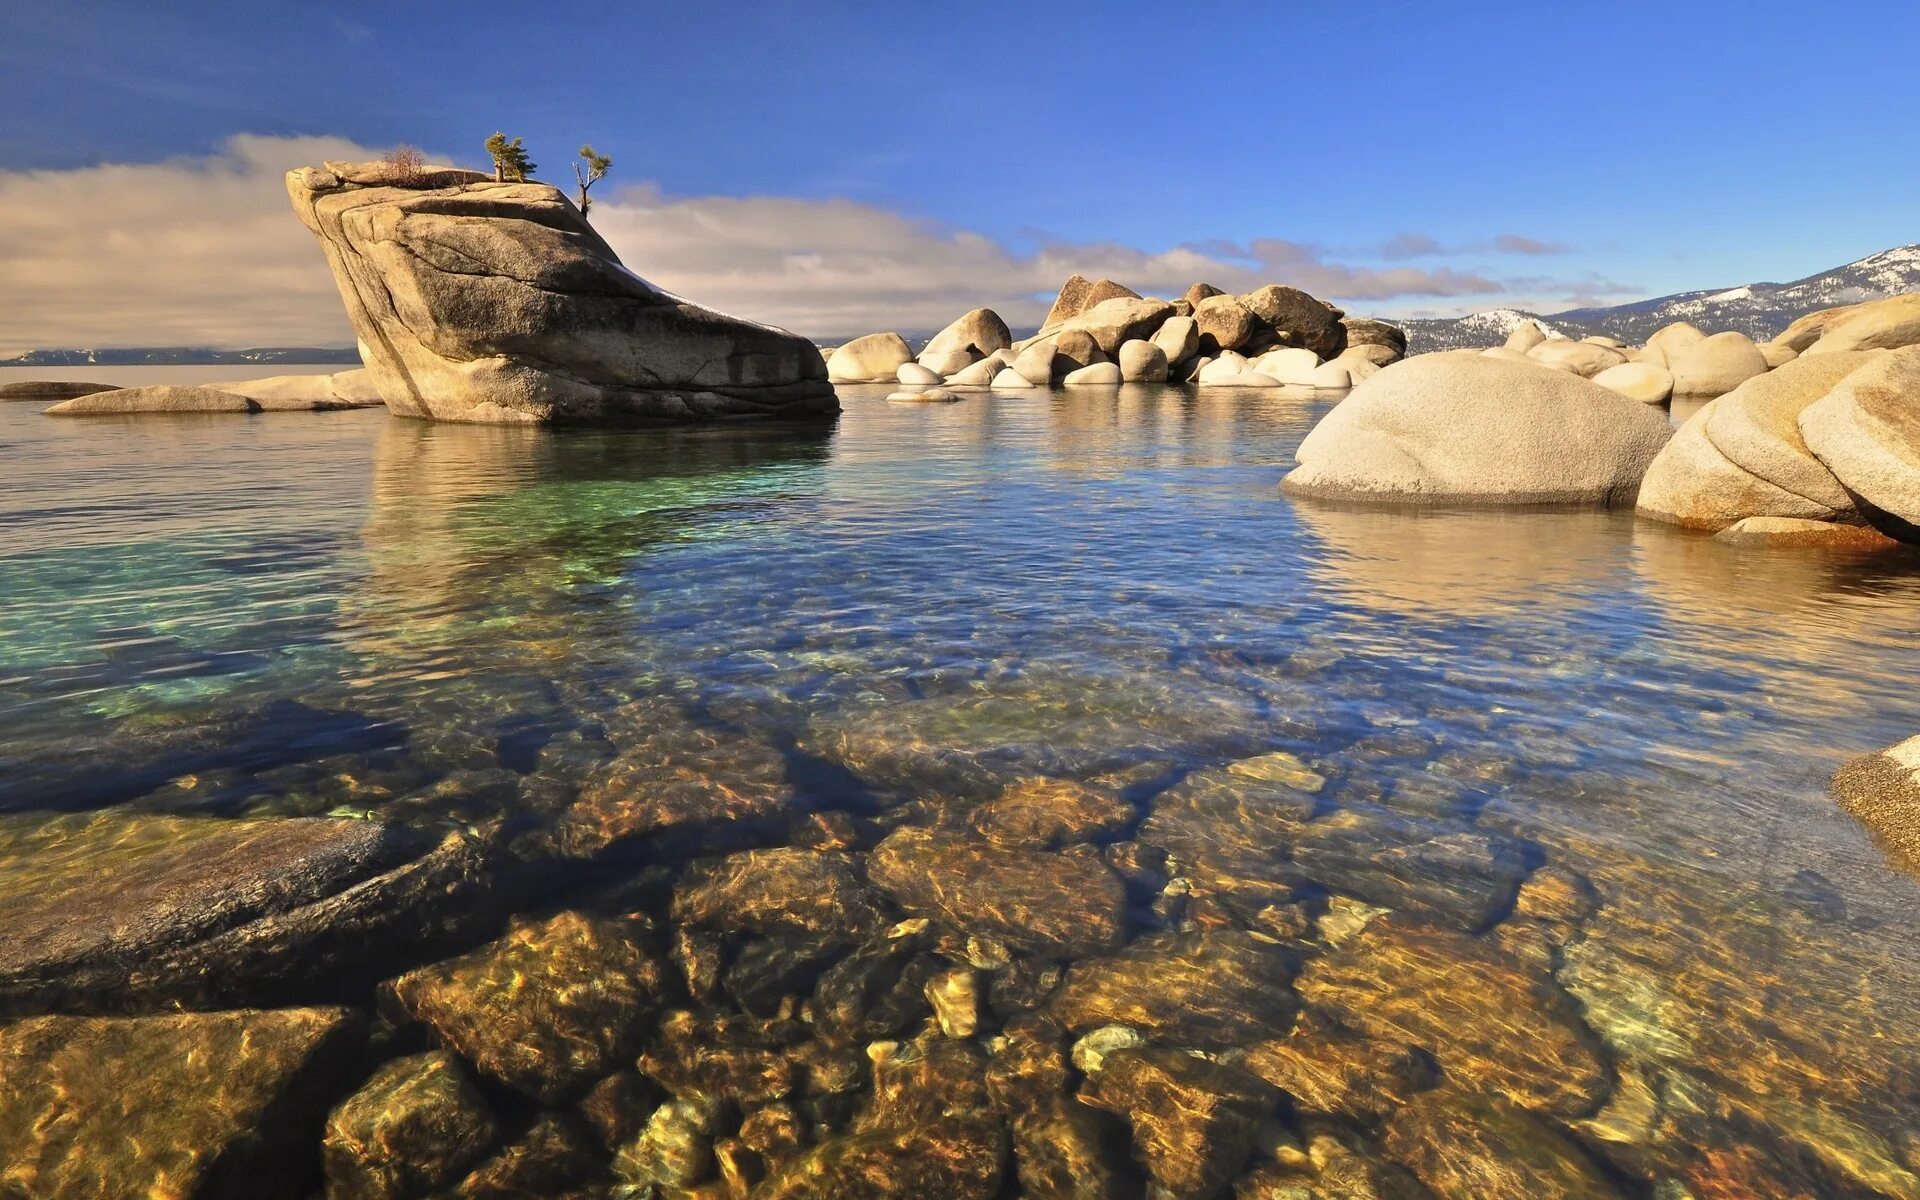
[1742,455]
[1867,432]
[497,302]
[1465,428]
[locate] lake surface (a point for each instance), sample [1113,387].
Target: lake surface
[1583,758]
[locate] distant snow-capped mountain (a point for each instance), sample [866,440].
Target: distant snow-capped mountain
[1759,310]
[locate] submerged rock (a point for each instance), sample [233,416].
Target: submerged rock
[414,1126]
[1218,988]
[708,782]
[1447,428]
[723,1056]
[215,1106]
[1194,1121]
[1434,870]
[1492,1022]
[162,398]
[1327,1070]
[476,300]
[1062,904]
[1228,830]
[117,911]
[550,1158]
[943,1160]
[1051,812]
[549,1008]
[1476,1148]
[1065,1150]
[811,893]
[1799,532]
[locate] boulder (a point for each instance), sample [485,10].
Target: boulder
[411,1128]
[1008,379]
[1876,325]
[1359,363]
[1601,339]
[357,387]
[1670,340]
[946,364]
[1194,1121]
[1807,330]
[1882,790]
[1228,365]
[875,358]
[1112,323]
[1580,358]
[1794,533]
[1443,428]
[118,911]
[1777,355]
[1223,323]
[1178,338]
[1095,375]
[1308,322]
[1331,376]
[1070,302]
[1363,331]
[1866,431]
[932,395]
[476,300]
[1743,456]
[216,1106]
[1484,1015]
[1291,366]
[980,374]
[1716,366]
[51,391]
[915,375]
[980,333]
[1246,379]
[161,399]
[1329,1071]
[1442,872]
[549,1008]
[287,393]
[1034,364]
[1144,362]
[1045,903]
[1372,355]
[1197,293]
[1645,382]
[1505,355]
[1525,336]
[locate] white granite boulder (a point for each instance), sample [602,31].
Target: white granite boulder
[1469,429]
[1866,431]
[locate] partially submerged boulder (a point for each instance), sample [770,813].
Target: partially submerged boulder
[296,393]
[477,300]
[1883,790]
[1301,319]
[1867,432]
[161,399]
[51,390]
[1742,455]
[1466,428]
[875,358]
[978,333]
[117,911]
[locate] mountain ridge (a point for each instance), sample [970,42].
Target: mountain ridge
[1760,310]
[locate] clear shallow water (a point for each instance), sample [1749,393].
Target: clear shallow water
[302,614]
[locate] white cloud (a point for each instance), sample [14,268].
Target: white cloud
[207,252]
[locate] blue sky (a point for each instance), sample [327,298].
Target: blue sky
[1648,147]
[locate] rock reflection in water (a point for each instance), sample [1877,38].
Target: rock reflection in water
[1009,797]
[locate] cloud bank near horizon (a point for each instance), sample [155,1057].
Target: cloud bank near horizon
[205,252]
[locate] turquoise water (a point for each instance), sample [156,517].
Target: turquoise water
[302,614]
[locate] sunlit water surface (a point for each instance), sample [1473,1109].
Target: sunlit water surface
[350,613]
